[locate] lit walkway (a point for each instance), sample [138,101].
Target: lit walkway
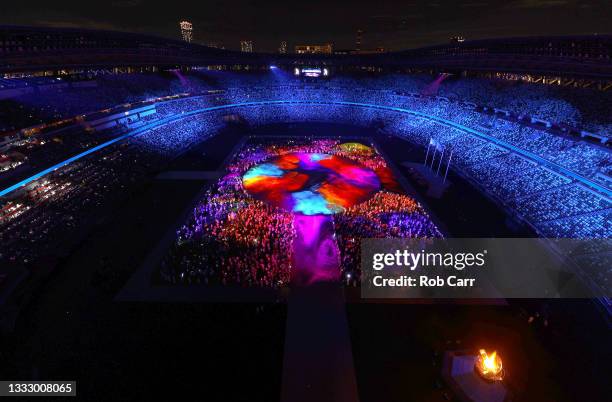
[318,361]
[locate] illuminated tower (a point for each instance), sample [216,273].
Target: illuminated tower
[358,40]
[186,31]
[246,46]
[283,47]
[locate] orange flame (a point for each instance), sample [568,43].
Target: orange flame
[489,365]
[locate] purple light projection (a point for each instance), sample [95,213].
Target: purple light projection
[315,251]
[432,89]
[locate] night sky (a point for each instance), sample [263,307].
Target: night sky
[392,24]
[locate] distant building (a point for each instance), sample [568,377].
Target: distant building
[358,39]
[186,31]
[246,46]
[457,39]
[282,49]
[326,48]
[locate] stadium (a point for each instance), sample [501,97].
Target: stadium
[152,189]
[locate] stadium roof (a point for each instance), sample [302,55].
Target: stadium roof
[35,49]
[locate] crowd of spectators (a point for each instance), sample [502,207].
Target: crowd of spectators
[509,177]
[48,103]
[566,106]
[554,204]
[385,215]
[503,173]
[47,216]
[232,238]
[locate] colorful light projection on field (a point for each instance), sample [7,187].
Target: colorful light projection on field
[311,183]
[385,175]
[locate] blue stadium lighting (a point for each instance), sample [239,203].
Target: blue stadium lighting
[503,144]
[273,67]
